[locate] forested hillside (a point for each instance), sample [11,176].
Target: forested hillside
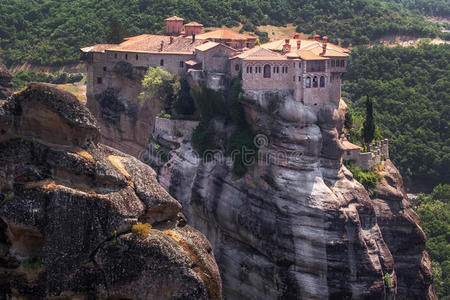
[410,88]
[51,31]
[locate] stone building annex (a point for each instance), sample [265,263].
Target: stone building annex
[310,70]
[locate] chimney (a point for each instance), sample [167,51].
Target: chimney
[162,46]
[286,46]
[324,45]
[171,40]
[298,44]
[193,37]
[317,37]
[296,36]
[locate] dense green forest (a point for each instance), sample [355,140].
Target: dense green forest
[52,31]
[434,212]
[410,89]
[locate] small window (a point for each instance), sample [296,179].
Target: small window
[308,82]
[342,63]
[161,62]
[137,57]
[236,67]
[322,81]
[315,81]
[181,64]
[299,65]
[299,78]
[266,71]
[333,63]
[115,55]
[99,80]
[126,56]
[104,69]
[251,69]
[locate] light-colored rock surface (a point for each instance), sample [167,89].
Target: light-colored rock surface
[67,206]
[300,227]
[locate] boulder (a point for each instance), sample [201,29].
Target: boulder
[68,205]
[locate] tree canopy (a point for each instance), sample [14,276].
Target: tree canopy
[51,31]
[410,89]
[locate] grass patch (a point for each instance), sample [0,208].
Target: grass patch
[141,230]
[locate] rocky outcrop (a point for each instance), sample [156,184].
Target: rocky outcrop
[297,225]
[68,205]
[5,82]
[124,120]
[405,238]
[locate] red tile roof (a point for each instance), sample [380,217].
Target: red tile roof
[100,48]
[149,42]
[346,145]
[174,18]
[193,24]
[224,34]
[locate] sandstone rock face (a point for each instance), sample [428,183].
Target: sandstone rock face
[67,207]
[125,122]
[5,82]
[297,225]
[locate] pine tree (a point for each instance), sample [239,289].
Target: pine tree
[369,124]
[116,33]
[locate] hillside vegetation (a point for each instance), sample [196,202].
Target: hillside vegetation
[410,88]
[51,31]
[434,212]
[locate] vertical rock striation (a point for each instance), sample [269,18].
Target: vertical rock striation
[297,225]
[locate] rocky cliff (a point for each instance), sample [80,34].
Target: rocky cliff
[125,122]
[67,209]
[297,225]
[5,82]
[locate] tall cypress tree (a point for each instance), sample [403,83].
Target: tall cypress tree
[369,124]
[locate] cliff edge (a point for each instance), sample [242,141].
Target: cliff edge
[69,206]
[297,225]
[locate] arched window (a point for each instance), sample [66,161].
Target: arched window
[308,82]
[236,67]
[315,81]
[266,71]
[322,81]
[161,62]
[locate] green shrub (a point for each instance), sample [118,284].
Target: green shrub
[388,281]
[141,230]
[242,149]
[368,179]
[203,137]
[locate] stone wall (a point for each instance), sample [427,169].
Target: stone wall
[175,127]
[366,160]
